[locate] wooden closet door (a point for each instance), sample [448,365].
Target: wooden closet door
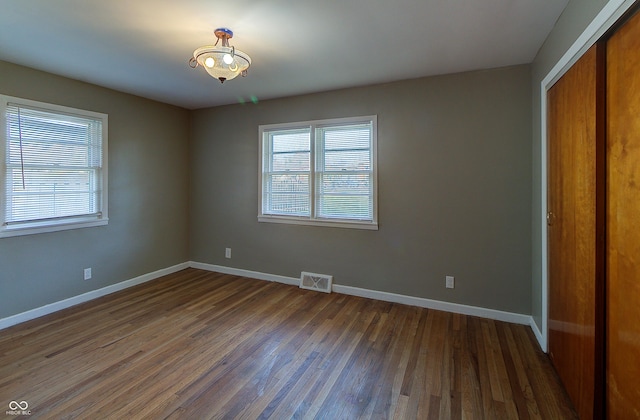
[573,123]
[623,222]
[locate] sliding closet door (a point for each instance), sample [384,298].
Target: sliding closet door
[623,222]
[573,153]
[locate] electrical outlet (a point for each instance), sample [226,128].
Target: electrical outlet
[227,253]
[449,282]
[87,273]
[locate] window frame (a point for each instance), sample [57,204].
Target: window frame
[51,224]
[313,219]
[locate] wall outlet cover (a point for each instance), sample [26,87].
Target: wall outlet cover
[450,282]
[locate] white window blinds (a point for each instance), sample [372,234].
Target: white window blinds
[319,172]
[344,172]
[53,166]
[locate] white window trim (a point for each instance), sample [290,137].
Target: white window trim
[51,225]
[314,221]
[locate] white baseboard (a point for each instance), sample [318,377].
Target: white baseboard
[85,297]
[435,304]
[347,290]
[384,296]
[245,273]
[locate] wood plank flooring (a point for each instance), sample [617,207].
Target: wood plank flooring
[200,345]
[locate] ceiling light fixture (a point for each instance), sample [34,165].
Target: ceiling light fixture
[223,62]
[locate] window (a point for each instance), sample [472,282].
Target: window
[53,172]
[319,173]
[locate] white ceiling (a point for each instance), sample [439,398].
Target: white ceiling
[297,46]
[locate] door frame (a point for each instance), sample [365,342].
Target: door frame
[607,17]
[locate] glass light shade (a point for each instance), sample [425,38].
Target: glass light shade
[222,70]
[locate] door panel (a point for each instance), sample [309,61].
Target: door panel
[573,124]
[623,222]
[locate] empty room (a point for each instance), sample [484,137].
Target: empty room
[335,210]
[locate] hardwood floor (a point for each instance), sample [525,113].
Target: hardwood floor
[197,345]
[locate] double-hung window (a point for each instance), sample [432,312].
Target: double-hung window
[53,171]
[319,173]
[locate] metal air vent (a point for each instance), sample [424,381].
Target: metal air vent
[313,281]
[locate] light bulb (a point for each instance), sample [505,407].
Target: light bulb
[227,58]
[209,62]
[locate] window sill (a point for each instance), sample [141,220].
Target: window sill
[35,228]
[338,223]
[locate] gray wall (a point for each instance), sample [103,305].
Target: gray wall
[454,156]
[454,193]
[575,18]
[148,199]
